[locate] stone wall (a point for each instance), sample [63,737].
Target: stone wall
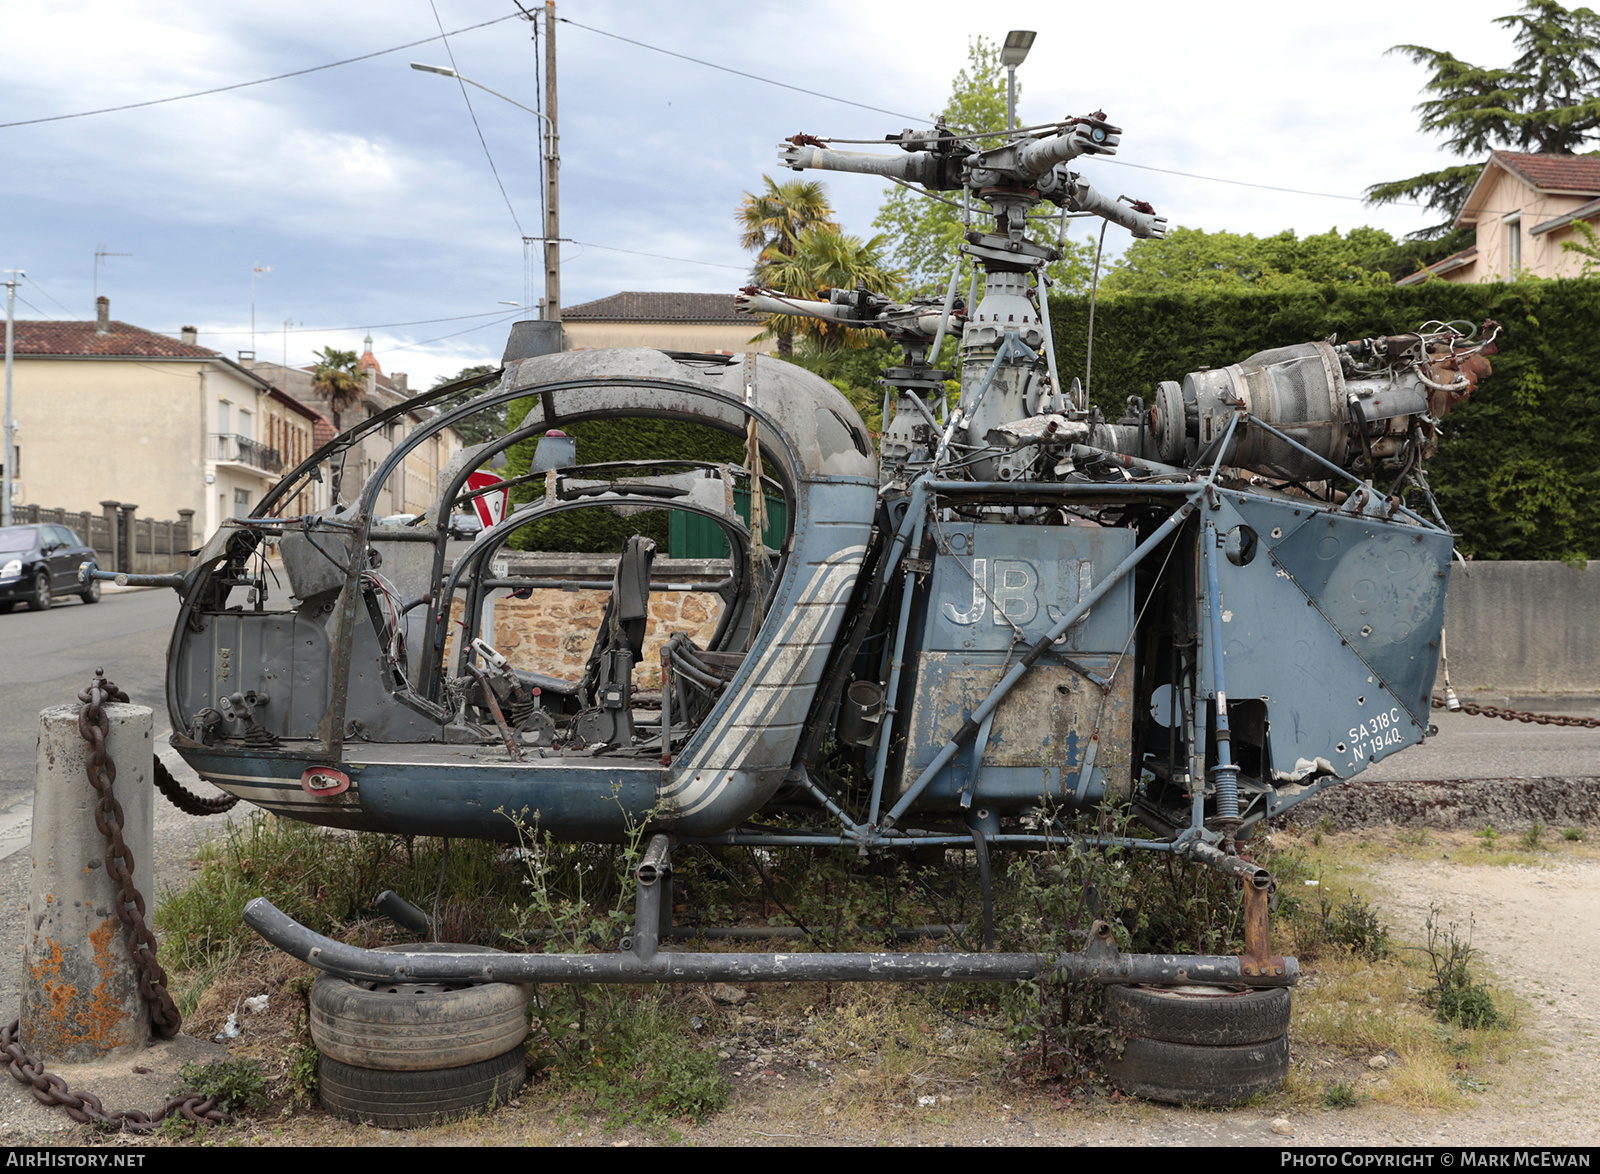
[553,630]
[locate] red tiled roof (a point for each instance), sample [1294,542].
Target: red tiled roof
[658,307]
[1580,173]
[321,431]
[81,339]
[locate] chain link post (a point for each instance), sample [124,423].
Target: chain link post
[82,992]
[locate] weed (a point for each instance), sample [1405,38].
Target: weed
[1572,835]
[1489,836]
[629,1052]
[1456,996]
[238,1085]
[1341,1094]
[303,1074]
[1533,836]
[639,1065]
[1355,925]
[1154,904]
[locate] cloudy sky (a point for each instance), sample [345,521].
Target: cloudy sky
[366,191]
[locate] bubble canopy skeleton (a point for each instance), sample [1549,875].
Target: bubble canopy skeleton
[1011,610]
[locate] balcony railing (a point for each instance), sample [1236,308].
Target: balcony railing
[241,450]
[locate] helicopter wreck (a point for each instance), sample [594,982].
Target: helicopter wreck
[1012,609]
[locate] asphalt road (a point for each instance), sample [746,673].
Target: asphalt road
[46,657]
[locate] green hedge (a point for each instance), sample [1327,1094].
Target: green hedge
[1518,469]
[599,531]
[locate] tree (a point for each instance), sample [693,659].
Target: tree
[772,224]
[825,258]
[480,426]
[337,378]
[924,234]
[1544,101]
[1191,259]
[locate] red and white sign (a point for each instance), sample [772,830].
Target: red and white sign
[491,507]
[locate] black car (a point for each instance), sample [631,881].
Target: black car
[39,562]
[465,526]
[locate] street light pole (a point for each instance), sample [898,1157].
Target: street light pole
[8,462]
[552,159]
[1012,54]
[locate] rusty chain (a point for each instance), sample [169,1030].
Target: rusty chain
[85,1108]
[47,1088]
[93,725]
[1518,715]
[186,800]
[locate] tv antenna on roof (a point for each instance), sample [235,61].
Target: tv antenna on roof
[99,255]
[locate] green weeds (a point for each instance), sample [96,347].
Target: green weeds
[1456,997]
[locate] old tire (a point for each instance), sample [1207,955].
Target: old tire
[1203,1016]
[404,1100]
[90,592]
[1187,1074]
[40,599]
[417,1027]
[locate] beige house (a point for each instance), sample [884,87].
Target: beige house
[704,323]
[106,410]
[1523,207]
[413,488]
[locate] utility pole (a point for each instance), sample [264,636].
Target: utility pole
[8,462]
[552,173]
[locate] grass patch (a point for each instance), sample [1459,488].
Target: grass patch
[238,1085]
[868,1056]
[630,1056]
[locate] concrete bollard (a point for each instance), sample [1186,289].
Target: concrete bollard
[80,988]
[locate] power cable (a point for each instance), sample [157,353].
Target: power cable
[1245,184]
[258,81]
[480,326]
[443,36]
[880,110]
[45,292]
[373,325]
[741,73]
[658,256]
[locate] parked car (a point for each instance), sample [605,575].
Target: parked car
[465,526]
[40,562]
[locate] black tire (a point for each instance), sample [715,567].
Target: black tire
[405,1100]
[413,1026]
[90,592]
[40,599]
[1204,1016]
[1184,1074]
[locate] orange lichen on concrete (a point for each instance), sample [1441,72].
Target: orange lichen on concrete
[71,1021]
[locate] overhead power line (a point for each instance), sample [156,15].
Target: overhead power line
[370,325]
[880,110]
[741,73]
[260,80]
[44,291]
[1245,184]
[465,97]
[657,256]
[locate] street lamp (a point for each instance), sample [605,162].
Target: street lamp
[552,168]
[1012,54]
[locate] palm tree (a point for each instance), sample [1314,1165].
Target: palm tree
[825,258]
[772,223]
[337,378]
